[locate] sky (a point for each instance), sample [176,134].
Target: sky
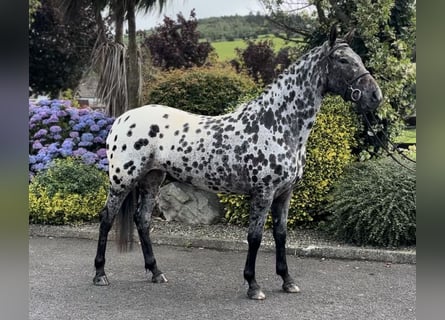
[203,9]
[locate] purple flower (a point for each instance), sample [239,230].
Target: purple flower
[37,145]
[94,128]
[86,130]
[55,129]
[83,112]
[40,133]
[89,157]
[102,153]
[87,137]
[79,152]
[74,134]
[99,140]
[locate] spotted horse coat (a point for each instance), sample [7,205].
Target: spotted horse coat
[258,150]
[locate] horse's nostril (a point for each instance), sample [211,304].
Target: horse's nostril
[377,95]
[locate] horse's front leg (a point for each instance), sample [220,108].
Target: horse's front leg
[259,207]
[280,208]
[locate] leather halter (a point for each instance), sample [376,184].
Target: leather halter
[356,94]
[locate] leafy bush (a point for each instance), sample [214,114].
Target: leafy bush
[176,44]
[261,62]
[328,153]
[375,204]
[207,91]
[69,191]
[57,130]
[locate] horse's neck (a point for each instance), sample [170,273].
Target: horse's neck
[294,98]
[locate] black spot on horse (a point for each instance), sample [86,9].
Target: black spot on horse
[165,116]
[128,164]
[268,118]
[116,179]
[140,143]
[154,129]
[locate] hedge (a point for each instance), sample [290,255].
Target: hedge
[375,204]
[206,90]
[67,192]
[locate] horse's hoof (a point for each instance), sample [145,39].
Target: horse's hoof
[256,294]
[101,280]
[291,287]
[160,278]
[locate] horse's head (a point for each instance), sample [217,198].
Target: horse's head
[348,77]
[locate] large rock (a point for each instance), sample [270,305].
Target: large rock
[184,203]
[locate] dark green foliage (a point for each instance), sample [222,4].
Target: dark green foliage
[207,91]
[375,204]
[69,192]
[59,52]
[70,175]
[176,44]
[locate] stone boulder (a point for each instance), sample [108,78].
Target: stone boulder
[187,204]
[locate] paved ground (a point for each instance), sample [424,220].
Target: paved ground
[208,284]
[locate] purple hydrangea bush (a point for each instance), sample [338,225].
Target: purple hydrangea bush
[57,130]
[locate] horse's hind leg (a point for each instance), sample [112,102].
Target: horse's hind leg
[279,208]
[107,216]
[149,188]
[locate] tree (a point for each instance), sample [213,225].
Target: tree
[260,60]
[59,51]
[175,44]
[118,65]
[384,38]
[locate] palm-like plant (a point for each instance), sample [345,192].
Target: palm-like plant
[119,66]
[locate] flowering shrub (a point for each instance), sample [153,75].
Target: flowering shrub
[57,130]
[68,192]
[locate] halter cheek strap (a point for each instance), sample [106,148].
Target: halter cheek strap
[356,94]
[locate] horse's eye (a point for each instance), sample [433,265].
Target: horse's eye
[343,61]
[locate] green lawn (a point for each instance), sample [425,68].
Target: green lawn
[226,49]
[406,136]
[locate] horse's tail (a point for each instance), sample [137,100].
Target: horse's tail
[125,225]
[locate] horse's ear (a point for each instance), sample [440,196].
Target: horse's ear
[333,35]
[349,36]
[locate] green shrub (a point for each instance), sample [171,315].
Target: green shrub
[207,91]
[375,204]
[328,153]
[68,192]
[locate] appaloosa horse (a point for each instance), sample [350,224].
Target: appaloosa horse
[258,150]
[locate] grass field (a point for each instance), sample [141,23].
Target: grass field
[406,136]
[226,49]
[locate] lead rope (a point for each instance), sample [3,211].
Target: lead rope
[392,144]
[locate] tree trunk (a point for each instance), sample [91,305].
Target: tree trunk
[133,76]
[119,17]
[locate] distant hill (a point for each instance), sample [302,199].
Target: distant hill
[229,28]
